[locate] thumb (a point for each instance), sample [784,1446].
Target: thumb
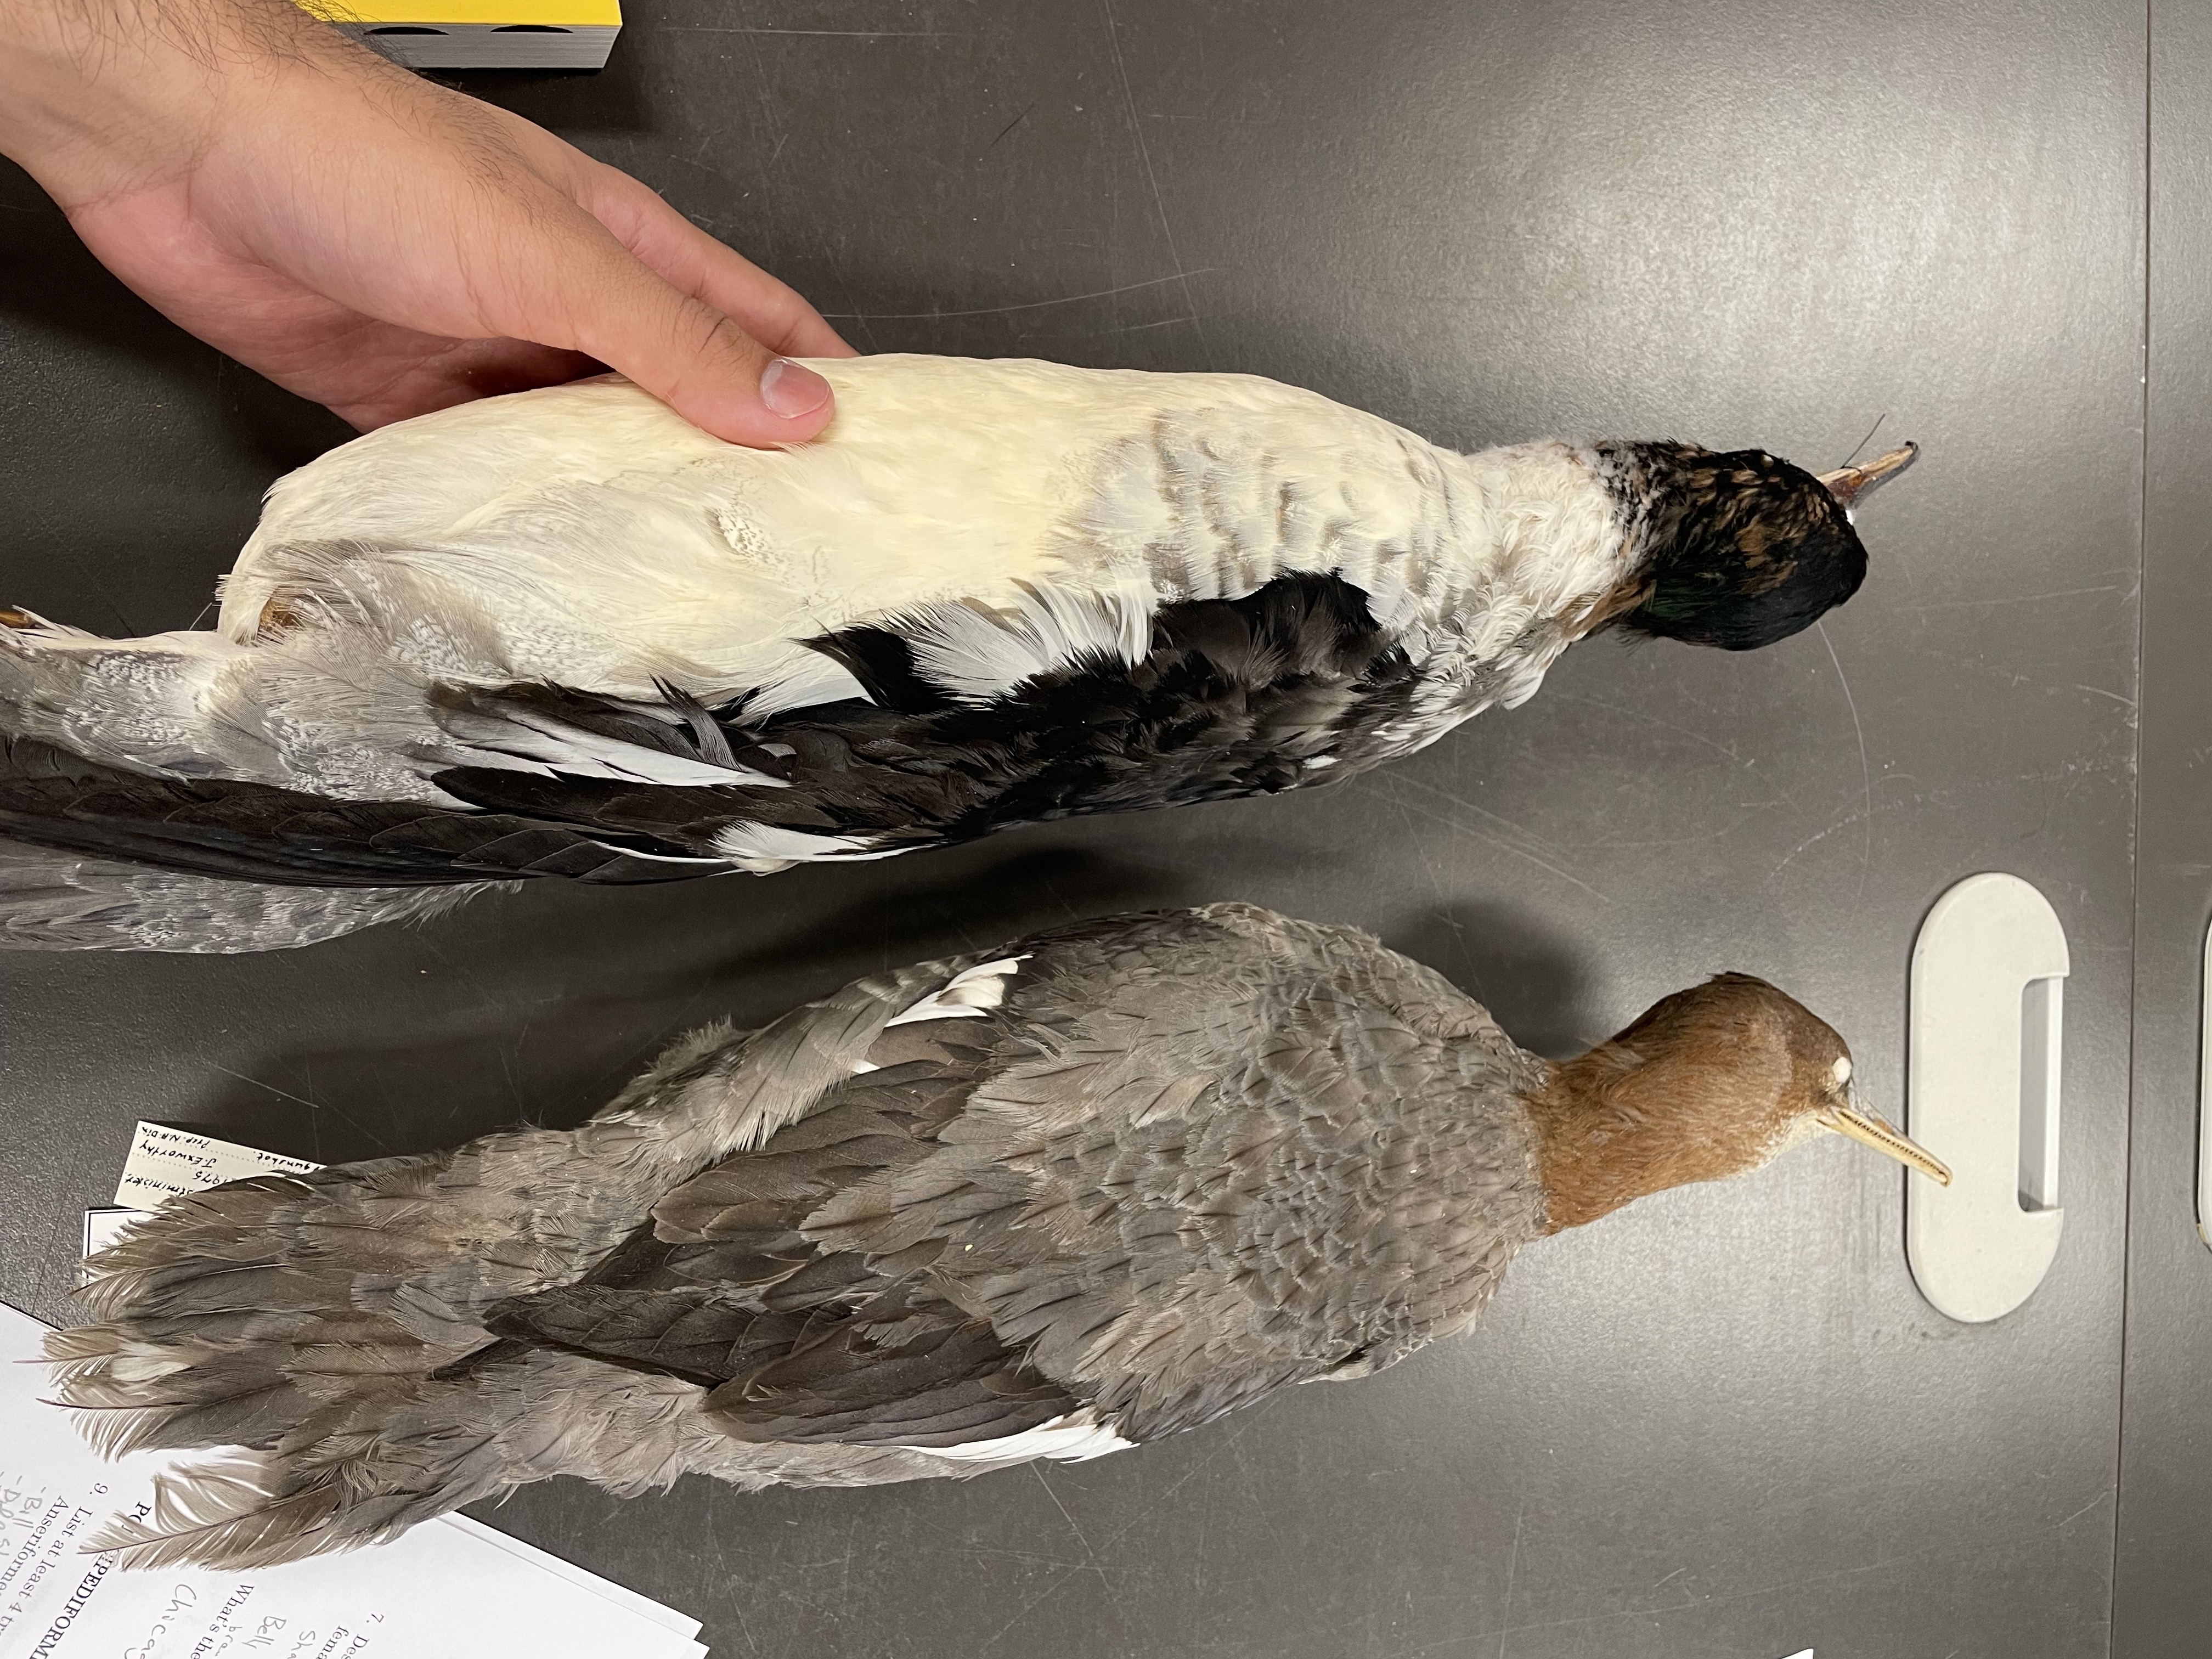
[699,363]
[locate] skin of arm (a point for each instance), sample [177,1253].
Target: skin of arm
[372,241]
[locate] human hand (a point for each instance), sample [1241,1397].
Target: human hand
[375,242]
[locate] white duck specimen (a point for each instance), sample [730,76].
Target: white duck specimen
[1109,1184]
[566,634]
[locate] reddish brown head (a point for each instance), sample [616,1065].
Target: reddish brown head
[1710,1083]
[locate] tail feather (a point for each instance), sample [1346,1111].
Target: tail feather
[222,1512]
[283,1323]
[297,1322]
[131,818]
[317,1323]
[423,1450]
[253,859]
[373,1463]
[131,1422]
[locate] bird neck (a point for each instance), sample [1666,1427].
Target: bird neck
[1611,1129]
[1553,526]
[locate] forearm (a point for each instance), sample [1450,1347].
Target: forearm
[100,97]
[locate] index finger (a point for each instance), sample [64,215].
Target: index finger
[707,270]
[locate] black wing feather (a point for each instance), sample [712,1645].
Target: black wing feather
[1233,698]
[257,832]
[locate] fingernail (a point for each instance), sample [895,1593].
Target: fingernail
[793,390]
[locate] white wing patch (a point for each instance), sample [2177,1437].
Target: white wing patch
[809,683]
[765,848]
[1070,1439]
[977,651]
[522,740]
[966,995]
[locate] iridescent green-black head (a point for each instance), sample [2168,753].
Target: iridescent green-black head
[1739,549]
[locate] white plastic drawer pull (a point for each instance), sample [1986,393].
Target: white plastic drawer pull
[2204,1105]
[1982,1069]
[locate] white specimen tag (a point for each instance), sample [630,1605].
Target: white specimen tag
[165,1162]
[102,1228]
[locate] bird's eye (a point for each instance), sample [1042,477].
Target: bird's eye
[1843,1070]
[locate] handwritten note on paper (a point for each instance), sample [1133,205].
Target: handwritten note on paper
[165,1162]
[449,1589]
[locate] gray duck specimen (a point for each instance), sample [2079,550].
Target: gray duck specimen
[1108,1184]
[565,635]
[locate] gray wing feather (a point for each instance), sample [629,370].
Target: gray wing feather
[1219,1153]
[1190,1158]
[800,1344]
[435,1238]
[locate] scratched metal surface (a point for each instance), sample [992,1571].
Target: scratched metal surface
[2164,1596]
[1723,1423]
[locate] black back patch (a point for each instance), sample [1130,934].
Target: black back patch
[1233,698]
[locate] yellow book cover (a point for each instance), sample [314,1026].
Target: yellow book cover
[480,33]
